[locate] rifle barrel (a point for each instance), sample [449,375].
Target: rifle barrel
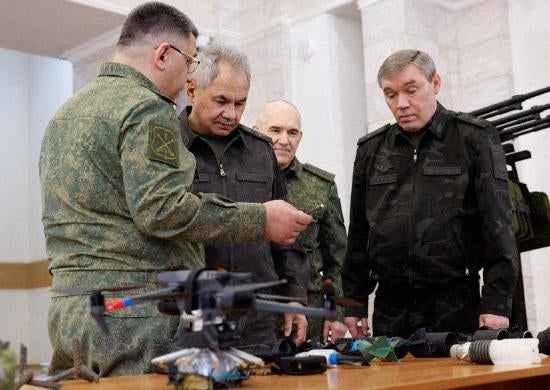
[507,135]
[513,101]
[519,115]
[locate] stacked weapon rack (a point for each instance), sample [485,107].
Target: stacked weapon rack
[531,210]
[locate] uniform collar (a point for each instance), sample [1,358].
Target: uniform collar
[189,136]
[436,125]
[122,70]
[295,168]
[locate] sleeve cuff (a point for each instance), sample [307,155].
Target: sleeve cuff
[493,304]
[357,311]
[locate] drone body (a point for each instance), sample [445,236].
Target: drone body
[214,299]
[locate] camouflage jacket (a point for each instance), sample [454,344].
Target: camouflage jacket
[431,217]
[247,172]
[115,184]
[324,241]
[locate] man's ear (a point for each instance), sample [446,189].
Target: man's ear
[191,90]
[299,139]
[161,56]
[436,82]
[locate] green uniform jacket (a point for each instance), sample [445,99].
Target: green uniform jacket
[430,218]
[115,184]
[324,241]
[116,210]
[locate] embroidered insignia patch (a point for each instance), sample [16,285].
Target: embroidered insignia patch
[163,145]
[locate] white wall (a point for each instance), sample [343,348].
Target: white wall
[328,88]
[14,156]
[31,90]
[529,32]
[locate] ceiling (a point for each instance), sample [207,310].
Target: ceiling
[52,27]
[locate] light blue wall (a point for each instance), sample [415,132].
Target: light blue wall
[31,89]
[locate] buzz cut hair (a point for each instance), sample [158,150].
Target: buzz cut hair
[210,58]
[154,19]
[396,62]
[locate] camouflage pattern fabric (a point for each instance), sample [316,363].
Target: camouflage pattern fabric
[451,308]
[136,334]
[428,218]
[247,171]
[8,367]
[115,181]
[324,241]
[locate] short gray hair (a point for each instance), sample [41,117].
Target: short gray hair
[210,58]
[400,59]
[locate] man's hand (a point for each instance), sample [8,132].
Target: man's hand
[358,327]
[284,222]
[333,330]
[300,321]
[493,321]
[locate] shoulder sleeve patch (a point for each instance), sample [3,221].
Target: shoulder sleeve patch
[373,133]
[163,145]
[319,172]
[255,133]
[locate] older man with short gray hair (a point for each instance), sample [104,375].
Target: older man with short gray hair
[429,209]
[238,163]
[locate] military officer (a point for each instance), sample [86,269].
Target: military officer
[308,187]
[238,162]
[117,208]
[429,208]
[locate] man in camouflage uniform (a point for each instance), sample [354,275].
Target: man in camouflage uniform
[324,241]
[429,208]
[116,203]
[237,162]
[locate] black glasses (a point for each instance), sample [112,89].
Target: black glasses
[192,62]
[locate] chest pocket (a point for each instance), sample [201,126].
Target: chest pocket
[202,178]
[384,179]
[445,187]
[253,187]
[382,193]
[201,183]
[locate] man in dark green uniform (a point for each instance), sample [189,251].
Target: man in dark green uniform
[429,209]
[324,241]
[116,202]
[238,163]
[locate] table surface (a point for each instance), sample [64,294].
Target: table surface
[425,373]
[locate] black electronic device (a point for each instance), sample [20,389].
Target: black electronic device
[302,365]
[212,300]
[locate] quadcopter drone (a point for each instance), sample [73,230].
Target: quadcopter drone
[212,300]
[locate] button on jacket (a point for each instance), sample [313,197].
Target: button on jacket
[430,218]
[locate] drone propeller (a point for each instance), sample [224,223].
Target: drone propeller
[264,305]
[279,298]
[252,286]
[330,292]
[99,305]
[163,293]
